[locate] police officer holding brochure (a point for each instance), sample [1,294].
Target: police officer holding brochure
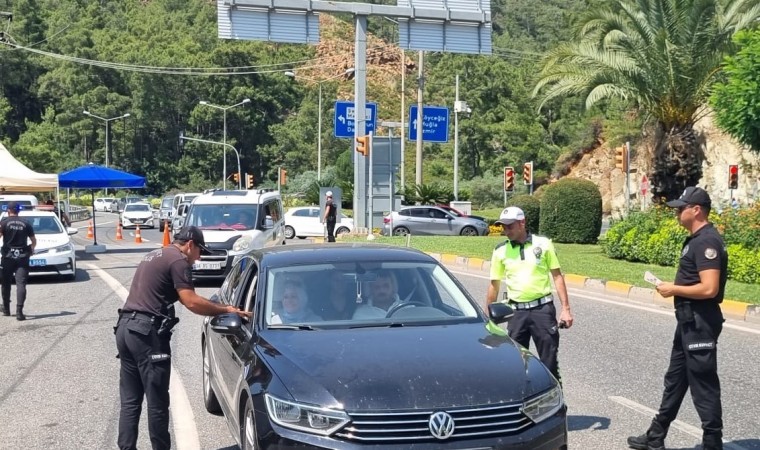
[527,263]
[697,291]
[143,332]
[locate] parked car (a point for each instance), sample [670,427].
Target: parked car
[434,372]
[103,204]
[137,214]
[178,219]
[54,253]
[459,213]
[306,221]
[165,212]
[432,220]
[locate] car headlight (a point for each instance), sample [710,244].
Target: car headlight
[310,419]
[61,249]
[544,406]
[242,245]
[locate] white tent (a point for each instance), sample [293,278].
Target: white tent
[16,177]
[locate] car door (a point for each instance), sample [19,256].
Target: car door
[314,226]
[422,222]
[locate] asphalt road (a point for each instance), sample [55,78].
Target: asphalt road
[60,374]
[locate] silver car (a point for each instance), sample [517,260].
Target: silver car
[432,220]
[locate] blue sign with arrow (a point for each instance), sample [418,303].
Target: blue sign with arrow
[345,119]
[435,123]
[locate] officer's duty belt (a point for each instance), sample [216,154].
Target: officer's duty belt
[531,304]
[139,315]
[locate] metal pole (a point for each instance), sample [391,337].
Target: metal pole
[105,191]
[319,138]
[224,152]
[403,113]
[371,207]
[360,102]
[456,142]
[420,85]
[390,171]
[627,176]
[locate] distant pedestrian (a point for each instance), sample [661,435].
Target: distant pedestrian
[734,203]
[18,247]
[698,291]
[143,334]
[527,263]
[330,216]
[61,214]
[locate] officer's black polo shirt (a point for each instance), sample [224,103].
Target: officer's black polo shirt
[157,278]
[704,250]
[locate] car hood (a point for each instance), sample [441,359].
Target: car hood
[48,241]
[403,368]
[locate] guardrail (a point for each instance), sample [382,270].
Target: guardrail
[78,213]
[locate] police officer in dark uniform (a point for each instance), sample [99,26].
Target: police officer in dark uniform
[698,291]
[16,251]
[331,216]
[143,332]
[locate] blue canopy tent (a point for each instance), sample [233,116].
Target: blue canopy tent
[91,176]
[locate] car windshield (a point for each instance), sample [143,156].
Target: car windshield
[167,202]
[222,217]
[25,204]
[44,224]
[355,295]
[136,208]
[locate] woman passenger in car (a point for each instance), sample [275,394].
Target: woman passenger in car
[295,305]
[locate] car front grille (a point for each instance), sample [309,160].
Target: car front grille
[412,426]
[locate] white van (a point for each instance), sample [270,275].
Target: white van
[26,201]
[182,198]
[234,223]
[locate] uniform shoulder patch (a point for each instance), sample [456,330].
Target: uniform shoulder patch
[500,245]
[711,253]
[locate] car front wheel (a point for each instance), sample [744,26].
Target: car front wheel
[290,233]
[248,428]
[209,397]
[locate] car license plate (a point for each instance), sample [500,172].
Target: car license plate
[137,221]
[207,266]
[36,262]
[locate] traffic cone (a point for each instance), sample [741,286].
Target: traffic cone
[119,235]
[167,241]
[90,234]
[138,236]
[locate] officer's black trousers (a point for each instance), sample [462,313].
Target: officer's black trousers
[330,230]
[21,268]
[145,371]
[695,369]
[540,324]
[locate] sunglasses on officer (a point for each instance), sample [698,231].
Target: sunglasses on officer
[684,207]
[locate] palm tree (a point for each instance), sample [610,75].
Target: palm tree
[663,55]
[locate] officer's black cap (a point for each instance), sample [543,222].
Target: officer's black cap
[194,234]
[692,195]
[13,206]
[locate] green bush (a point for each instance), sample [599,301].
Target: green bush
[571,211]
[531,206]
[740,226]
[742,264]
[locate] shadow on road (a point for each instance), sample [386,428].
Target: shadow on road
[578,423]
[48,316]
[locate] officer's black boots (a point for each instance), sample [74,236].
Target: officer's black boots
[20,314]
[712,442]
[654,439]
[6,309]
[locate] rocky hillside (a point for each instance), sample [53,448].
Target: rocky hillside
[720,151]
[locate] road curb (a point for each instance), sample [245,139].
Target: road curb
[730,308]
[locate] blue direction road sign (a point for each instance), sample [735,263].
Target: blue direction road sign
[435,123]
[345,118]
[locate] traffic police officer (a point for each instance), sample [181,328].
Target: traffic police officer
[143,332]
[698,291]
[330,217]
[527,263]
[16,233]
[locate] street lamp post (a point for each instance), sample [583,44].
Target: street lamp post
[319,119]
[218,143]
[459,107]
[224,156]
[123,116]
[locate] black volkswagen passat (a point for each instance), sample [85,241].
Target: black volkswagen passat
[365,346]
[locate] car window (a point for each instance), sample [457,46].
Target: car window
[420,212]
[301,213]
[44,224]
[405,212]
[314,212]
[437,213]
[231,283]
[167,203]
[222,217]
[136,208]
[320,294]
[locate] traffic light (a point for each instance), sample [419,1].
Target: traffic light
[283,176]
[621,158]
[528,173]
[364,145]
[249,181]
[236,177]
[733,176]
[509,179]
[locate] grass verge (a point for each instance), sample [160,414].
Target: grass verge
[585,260]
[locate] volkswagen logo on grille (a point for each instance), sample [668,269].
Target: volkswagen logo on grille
[441,425]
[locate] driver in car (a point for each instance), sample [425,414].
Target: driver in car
[383,297]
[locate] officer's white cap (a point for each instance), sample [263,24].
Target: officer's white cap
[329,194]
[511,214]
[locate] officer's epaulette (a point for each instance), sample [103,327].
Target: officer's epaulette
[501,244]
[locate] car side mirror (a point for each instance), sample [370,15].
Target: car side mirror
[268,223]
[227,324]
[71,231]
[500,312]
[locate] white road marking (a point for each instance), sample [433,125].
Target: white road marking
[682,426]
[185,431]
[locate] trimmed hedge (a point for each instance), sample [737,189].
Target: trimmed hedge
[531,206]
[571,211]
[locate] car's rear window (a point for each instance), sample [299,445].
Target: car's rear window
[133,208]
[167,202]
